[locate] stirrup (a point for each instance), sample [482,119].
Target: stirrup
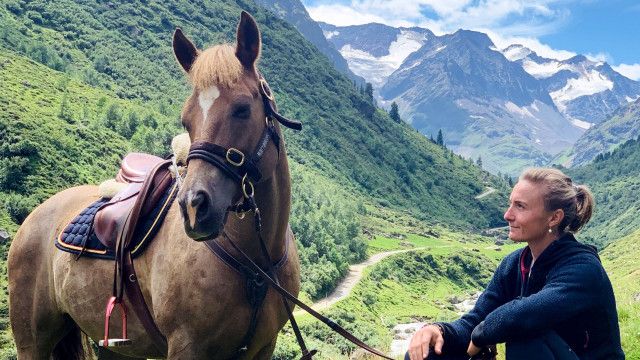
[106,342]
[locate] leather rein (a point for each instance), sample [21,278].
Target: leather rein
[244,169]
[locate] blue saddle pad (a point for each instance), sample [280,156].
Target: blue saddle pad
[78,236]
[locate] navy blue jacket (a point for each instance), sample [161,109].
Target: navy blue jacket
[566,290]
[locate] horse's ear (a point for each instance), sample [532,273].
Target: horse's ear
[248,41]
[184,50]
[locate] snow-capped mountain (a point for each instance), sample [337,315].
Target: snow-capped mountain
[486,104]
[374,51]
[585,91]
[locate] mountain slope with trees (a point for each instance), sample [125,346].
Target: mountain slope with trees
[613,179]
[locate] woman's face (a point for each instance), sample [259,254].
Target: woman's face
[528,220]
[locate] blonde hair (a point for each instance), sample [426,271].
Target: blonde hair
[561,193]
[217,65]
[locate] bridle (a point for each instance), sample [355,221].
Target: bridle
[245,170]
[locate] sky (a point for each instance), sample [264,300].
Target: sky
[603,30]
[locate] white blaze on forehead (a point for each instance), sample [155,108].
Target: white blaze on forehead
[206,99]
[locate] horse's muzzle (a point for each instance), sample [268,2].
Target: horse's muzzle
[202,219]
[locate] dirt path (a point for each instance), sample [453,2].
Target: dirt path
[352,278]
[489,191]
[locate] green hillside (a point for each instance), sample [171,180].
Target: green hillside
[126,48]
[621,261]
[613,179]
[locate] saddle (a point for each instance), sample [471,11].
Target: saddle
[110,220]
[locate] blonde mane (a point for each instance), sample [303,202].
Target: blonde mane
[217,65]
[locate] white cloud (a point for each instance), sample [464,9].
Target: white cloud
[599,57]
[534,44]
[341,15]
[631,71]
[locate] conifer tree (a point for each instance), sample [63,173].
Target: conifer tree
[440,138]
[395,115]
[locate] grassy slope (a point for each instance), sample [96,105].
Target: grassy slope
[621,261]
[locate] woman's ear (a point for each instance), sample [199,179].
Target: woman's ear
[556,218]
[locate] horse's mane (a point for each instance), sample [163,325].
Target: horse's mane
[218,65]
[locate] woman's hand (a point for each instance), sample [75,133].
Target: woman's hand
[429,335]
[472,349]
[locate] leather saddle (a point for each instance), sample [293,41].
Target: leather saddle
[141,172]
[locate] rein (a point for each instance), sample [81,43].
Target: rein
[244,169]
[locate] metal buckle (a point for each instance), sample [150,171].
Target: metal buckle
[266,90]
[235,151]
[243,185]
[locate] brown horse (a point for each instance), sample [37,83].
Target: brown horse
[197,301]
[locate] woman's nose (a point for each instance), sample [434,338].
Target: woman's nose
[508,216]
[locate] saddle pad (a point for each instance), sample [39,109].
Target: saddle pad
[78,234]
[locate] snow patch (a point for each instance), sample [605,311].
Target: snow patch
[591,82]
[580,123]
[630,99]
[440,48]
[544,70]
[515,52]
[517,110]
[376,70]
[329,34]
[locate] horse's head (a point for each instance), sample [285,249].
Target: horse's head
[225,117]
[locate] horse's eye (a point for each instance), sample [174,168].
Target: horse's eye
[242,111]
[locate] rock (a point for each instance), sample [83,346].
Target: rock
[4,236]
[636,297]
[499,242]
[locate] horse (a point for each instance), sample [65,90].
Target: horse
[197,301]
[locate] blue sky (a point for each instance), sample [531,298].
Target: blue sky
[606,30]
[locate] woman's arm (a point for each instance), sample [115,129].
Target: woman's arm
[569,291]
[457,334]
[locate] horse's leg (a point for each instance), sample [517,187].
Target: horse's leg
[36,322]
[104,354]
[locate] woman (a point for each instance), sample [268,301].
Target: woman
[550,300]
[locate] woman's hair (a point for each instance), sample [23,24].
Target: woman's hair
[561,193]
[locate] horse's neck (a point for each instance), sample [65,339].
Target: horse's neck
[273,198]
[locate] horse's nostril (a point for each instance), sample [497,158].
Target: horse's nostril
[197,200]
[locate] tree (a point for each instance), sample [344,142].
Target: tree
[440,138]
[368,91]
[395,115]
[479,162]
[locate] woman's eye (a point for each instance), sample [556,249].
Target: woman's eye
[242,112]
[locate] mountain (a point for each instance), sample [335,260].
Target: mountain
[623,125]
[293,12]
[374,51]
[487,105]
[585,91]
